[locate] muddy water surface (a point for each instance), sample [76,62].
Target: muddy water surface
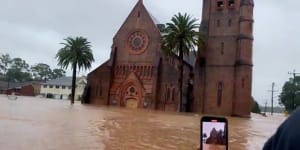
[36,123]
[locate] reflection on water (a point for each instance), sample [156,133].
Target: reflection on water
[52,124]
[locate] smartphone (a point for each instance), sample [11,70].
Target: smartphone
[213,133]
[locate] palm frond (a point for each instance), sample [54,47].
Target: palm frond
[182,30]
[75,52]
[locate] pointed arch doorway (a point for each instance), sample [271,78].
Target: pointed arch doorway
[131,96]
[132,92]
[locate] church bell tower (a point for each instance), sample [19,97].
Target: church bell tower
[225,75]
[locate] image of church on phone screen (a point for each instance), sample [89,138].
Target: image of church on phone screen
[214,136]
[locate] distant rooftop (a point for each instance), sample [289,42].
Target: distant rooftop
[12,85]
[65,81]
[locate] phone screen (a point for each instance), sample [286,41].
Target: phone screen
[214,134]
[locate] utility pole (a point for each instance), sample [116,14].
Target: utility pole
[272,97]
[266,107]
[294,75]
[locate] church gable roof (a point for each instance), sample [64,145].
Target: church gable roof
[138,17]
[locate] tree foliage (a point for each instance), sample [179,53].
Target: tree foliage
[5,61]
[290,96]
[4,64]
[14,69]
[181,35]
[180,38]
[41,71]
[57,73]
[76,53]
[18,70]
[255,108]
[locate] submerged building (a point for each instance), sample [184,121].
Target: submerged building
[139,75]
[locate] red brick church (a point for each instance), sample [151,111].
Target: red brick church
[139,75]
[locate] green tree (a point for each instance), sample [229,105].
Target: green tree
[57,73]
[76,52]
[180,37]
[41,71]
[290,96]
[18,71]
[5,61]
[255,108]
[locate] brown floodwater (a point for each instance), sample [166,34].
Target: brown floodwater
[37,123]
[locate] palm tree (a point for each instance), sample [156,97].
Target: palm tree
[180,37]
[76,52]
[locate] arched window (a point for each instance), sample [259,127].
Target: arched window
[96,90]
[251,26]
[145,70]
[151,71]
[138,70]
[123,70]
[173,94]
[139,14]
[168,94]
[165,93]
[220,94]
[127,69]
[148,71]
[220,4]
[218,23]
[222,48]
[230,3]
[100,88]
[229,23]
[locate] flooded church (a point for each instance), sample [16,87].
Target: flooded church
[139,75]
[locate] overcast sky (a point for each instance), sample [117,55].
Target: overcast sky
[33,29]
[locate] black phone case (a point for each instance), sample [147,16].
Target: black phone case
[216,138]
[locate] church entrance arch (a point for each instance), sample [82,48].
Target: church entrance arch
[131,95]
[131,92]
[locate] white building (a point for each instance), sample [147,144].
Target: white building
[61,88]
